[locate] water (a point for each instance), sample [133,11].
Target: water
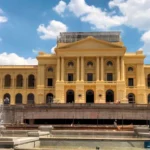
[92,144]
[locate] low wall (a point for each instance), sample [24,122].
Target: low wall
[17,113]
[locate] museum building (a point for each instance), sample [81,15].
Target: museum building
[87,67]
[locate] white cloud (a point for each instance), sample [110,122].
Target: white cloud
[52,49]
[94,15]
[60,8]
[146,39]
[2,18]
[136,11]
[14,59]
[52,30]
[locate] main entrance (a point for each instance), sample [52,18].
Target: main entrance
[90,96]
[70,96]
[109,96]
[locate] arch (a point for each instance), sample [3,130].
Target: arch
[148,99]
[6,98]
[49,98]
[148,80]
[89,63]
[70,96]
[70,64]
[18,98]
[130,69]
[30,98]
[19,81]
[50,69]
[7,81]
[89,96]
[31,81]
[131,98]
[109,96]
[109,63]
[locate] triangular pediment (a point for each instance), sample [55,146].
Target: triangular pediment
[90,43]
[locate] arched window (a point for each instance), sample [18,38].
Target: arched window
[148,98]
[148,80]
[18,98]
[110,96]
[131,98]
[30,98]
[49,98]
[109,63]
[89,96]
[130,69]
[89,64]
[7,81]
[50,69]
[70,96]
[6,98]
[31,81]
[70,64]
[19,81]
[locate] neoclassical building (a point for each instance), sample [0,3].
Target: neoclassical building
[87,67]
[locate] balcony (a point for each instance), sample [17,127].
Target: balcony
[90,82]
[110,82]
[7,87]
[70,82]
[50,87]
[131,87]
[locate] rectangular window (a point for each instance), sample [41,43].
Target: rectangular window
[130,82]
[109,77]
[70,77]
[49,82]
[89,77]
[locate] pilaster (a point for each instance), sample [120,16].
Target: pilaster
[97,69]
[102,68]
[82,68]
[62,68]
[118,69]
[78,68]
[58,69]
[122,69]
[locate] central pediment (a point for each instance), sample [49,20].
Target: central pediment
[89,43]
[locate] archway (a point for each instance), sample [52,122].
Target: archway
[109,96]
[6,98]
[70,96]
[7,81]
[49,98]
[30,98]
[19,81]
[90,96]
[148,99]
[18,98]
[131,98]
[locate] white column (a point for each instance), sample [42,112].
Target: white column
[122,69]
[97,68]
[62,69]
[82,68]
[102,68]
[58,69]
[118,69]
[78,68]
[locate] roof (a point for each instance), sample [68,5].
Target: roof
[69,37]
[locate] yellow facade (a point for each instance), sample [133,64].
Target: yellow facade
[89,70]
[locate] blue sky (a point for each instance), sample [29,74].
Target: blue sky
[29,26]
